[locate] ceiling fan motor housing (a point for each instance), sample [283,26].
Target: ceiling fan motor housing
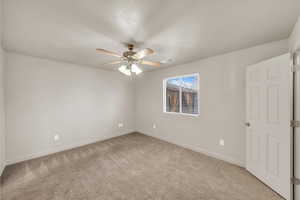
[129,55]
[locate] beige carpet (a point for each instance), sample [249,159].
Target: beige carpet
[131,167]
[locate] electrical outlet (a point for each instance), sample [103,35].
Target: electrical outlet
[154,126]
[120,125]
[56,137]
[222,142]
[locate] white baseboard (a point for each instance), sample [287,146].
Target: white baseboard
[93,140]
[60,148]
[203,151]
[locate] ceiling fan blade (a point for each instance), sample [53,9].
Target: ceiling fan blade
[114,62]
[142,53]
[152,63]
[106,52]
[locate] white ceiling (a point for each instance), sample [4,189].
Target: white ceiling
[181,30]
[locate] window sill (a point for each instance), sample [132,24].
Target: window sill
[185,114]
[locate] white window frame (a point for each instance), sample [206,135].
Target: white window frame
[180,97]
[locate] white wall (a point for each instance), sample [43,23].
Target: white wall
[294,40]
[2,112]
[222,103]
[44,98]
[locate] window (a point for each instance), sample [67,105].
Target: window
[181,94]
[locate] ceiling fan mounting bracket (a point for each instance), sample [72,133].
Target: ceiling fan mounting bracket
[130,47]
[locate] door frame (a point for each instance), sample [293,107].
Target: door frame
[295,68]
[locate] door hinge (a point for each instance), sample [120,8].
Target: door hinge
[295,123]
[295,181]
[295,68]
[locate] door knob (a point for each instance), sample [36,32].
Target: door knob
[247,124]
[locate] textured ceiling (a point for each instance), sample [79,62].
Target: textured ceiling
[181,30]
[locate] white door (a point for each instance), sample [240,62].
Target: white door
[268,115]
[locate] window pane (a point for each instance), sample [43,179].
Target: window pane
[172,95]
[189,95]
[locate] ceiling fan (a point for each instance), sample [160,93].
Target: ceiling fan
[130,59]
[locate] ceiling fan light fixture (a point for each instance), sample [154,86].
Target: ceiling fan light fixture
[135,69]
[125,70]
